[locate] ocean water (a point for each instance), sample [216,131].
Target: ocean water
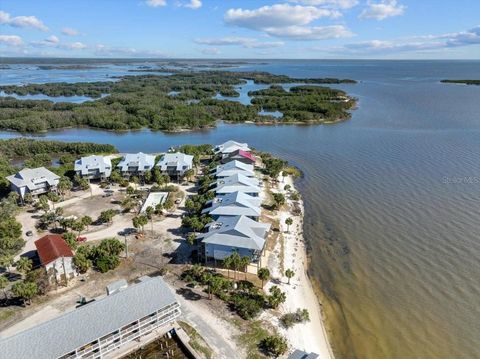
[392,203]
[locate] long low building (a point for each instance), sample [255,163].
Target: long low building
[98,328]
[232,168]
[237,183]
[234,204]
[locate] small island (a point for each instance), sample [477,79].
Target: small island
[146,101]
[462,82]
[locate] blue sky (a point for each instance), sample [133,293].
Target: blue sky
[392,29]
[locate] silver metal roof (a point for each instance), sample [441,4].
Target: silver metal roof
[102,163]
[235,204]
[81,326]
[231,146]
[237,183]
[299,354]
[33,178]
[235,167]
[140,161]
[179,160]
[239,231]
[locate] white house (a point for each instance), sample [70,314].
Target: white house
[237,183]
[234,204]
[175,164]
[56,256]
[234,167]
[136,164]
[230,146]
[94,167]
[234,234]
[35,181]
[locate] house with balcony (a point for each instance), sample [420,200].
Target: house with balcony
[94,167]
[100,329]
[234,167]
[237,183]
[35,181]
[175,164]
[229,147]
[234,204]
[229,234]
[136,164]
[240,156]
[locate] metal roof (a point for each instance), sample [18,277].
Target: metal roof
[179,160]
[33,178]
[239,231]
[83,325]
[52,247]
[299,354]
[84,164]
[237,183]
[231,146]
[234,167]
[235,204]
[140,160]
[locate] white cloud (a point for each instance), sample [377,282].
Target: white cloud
[21,21]
[69,31]
[312,32]
[278,15]
[156,3]
[340,4]
[104,50]
[74,46]
[52,39]
[288,21]
[11,40]
[193,4]
[382,10]
[246,42]
[210,51]
[418,43]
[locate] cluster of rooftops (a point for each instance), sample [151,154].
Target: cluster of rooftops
[40,180]
[236,207]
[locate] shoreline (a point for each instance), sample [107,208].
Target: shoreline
[311,336]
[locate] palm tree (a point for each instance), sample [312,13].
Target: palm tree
[244,262]
[24,265]
[236,259]
[227,263]
[289,273]
[288,222]
[263,274]
[3,284]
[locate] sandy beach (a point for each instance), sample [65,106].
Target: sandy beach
[310,336]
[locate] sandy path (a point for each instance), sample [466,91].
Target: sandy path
[310,336]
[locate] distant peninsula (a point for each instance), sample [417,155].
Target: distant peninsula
[184,100]
[464,82]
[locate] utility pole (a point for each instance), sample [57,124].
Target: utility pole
[126,244]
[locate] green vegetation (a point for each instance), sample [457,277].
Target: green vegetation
[144,101]
[274,345]
[252,336]
[11,241]
[465,82]
[196,341]
[103,257]
[290,319]
[289,273]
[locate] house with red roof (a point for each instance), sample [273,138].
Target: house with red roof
[241,156]
[56,256]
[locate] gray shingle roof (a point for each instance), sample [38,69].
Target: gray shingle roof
[235,204]
[81,326]
[179,160]
[102,163]
[239,231]
[140,161]
[33,178]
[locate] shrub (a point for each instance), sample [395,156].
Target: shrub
[274,345]
[290,319]
[247,305]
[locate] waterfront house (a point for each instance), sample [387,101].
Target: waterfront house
[300,354]
[96,330]
[94,167]
[234,204]
[230,146]
[234,234]
[175,164]
[237,183]
[232,168]
[136,164]
[241,156]
[55,256]
[35,181]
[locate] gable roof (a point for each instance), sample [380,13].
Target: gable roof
[235,204]
[52,247]
[240,153]
[63,334]
[239,231]
[230,146]
[33,178]
[237,182]
[234,167]
[139,160]
[93,162]
[177,159]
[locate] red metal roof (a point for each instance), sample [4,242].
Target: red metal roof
[247,154]
[51,247]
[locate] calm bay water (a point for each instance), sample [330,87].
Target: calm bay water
[392,203]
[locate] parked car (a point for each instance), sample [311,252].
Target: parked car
[178,201]
[81,239]
[29,233]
